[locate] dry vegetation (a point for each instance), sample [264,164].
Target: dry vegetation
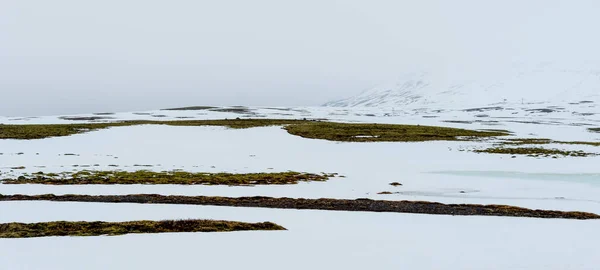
[308,129]
[385,132]
[170,177]
[546,141]
[534,152]
[191,108]
[365,205]
[28,132]
[530,147]
[81,228]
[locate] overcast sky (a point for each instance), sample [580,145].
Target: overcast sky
[73,56]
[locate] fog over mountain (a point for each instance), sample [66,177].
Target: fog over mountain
[519,83]
[69,56]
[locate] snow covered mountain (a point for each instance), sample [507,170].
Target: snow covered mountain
[541,83]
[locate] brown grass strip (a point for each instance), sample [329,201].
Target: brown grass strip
[84,228]
[364,205]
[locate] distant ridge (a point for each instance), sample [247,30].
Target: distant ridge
[543,83]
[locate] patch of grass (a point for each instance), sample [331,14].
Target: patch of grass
[546,141]
[171,177]
[305,128]
[594,130]
[534,152]
[81,228]
[85,118]
[242,110]
[28,132]
[519,141]
[384,132]
[483,109]
[191,108]
[363,205]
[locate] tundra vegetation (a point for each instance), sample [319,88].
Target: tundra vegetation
[82,228]
[166,177]
[532,147]
[345,132]
[362,205]
[535,152]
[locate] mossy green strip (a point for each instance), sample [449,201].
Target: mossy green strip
[345,132]
[191,108]
[363,205]
[65,228]
[534,152]
[167,177]
[28,132]
[531,141]
[385,132]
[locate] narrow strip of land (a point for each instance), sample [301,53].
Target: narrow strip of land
[332,131]
[365,205]
[168,177]
[83,228]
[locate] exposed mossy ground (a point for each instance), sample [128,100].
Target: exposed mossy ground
[85,118]
[190,108]
[594,129]
[27,132]
[520,146]
[530,141]
[238,109]
[534,152]
[308,129]
[385,132]
[167,177]
[65,228]
[364,205]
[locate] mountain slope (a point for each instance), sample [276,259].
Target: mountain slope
[515,85]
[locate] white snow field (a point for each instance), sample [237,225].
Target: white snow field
[430,171]
[314,240]
[460,88]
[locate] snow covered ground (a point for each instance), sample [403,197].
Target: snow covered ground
[314,240]
[463,87]
[431,171]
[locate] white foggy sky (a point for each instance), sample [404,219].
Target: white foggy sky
[73,56]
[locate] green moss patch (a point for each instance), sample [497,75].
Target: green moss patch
[191,108]
[237,109]
[530,141]
[85,118]
[363,205]
[384,132]
[27,132]
[308,129]
[534,152]
[167,177]
[518,146]
[65,228]
[594,129]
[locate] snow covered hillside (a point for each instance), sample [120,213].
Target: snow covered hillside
[461,89]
